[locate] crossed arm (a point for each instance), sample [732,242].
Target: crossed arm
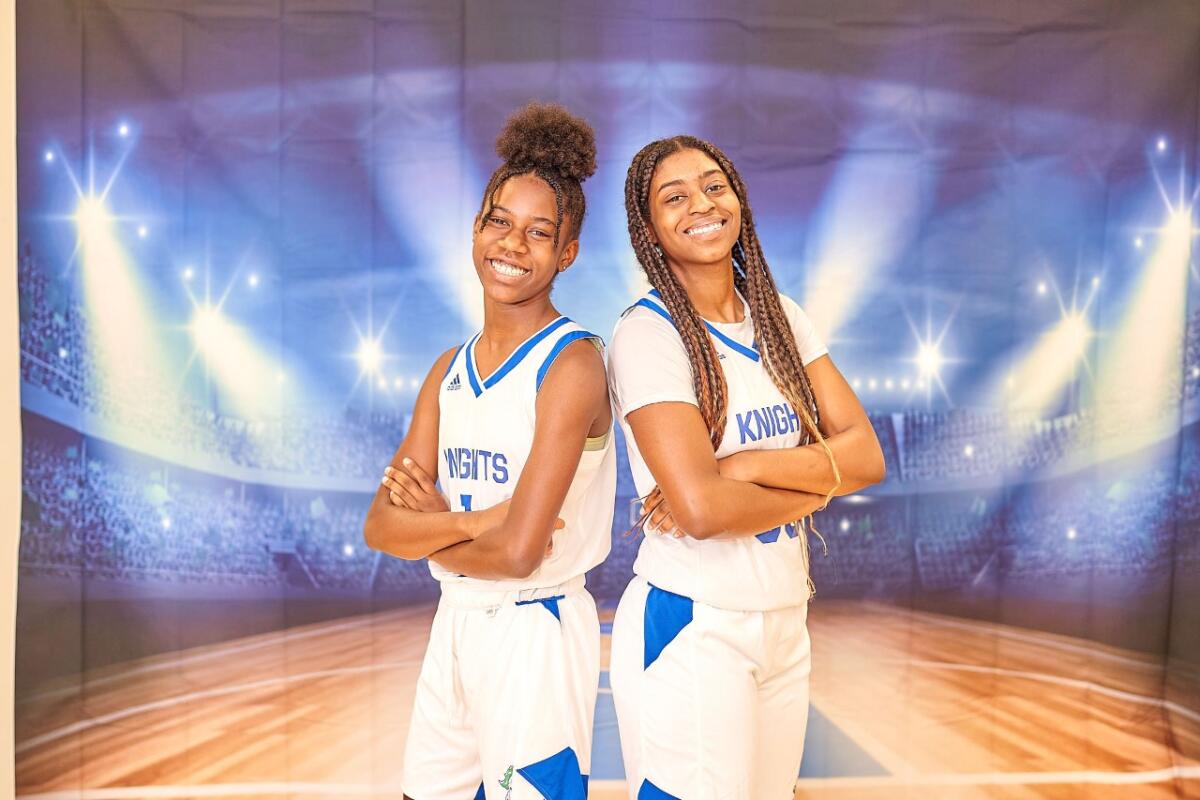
[754,490]
[509,540]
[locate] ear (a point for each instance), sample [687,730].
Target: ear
[567,257]
[475,229]
[650,231]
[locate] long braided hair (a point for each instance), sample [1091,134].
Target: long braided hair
[753,279]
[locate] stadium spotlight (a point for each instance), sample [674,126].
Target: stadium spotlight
[166,523]
[143,231]
[369,355]
[62,352]
[872,384]
[1138,242]
[206,327]
[1161,144]
[1072,533]
[856,383]
[92,218]
[188,273]
[383,384]
[1042,288]
[929,360]
[969,450]
[49,156]
[415,383]
[123,129]
[905,384]
[1095,281]
[844,525]
[889,384]
[347,550]
[253,280]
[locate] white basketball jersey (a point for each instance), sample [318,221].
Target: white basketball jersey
[484,438]
[647,364]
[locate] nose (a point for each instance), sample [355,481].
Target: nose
[513,240]
[700,203]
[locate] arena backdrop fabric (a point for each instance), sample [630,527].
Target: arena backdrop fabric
[244,237]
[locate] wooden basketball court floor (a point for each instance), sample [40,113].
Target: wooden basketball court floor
[905,705]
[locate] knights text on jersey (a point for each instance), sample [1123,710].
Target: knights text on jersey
[648,364]
[485,434]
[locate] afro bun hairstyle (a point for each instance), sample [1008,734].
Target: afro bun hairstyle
[546,140]
[545,136]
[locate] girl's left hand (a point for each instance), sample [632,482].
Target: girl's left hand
[660,519]
[410,487]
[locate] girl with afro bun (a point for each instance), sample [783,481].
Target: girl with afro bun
[516,425]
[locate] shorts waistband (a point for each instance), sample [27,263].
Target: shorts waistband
[460,595]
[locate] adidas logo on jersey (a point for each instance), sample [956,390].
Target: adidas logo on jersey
[454,385]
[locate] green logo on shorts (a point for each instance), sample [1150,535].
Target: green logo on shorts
[506,782]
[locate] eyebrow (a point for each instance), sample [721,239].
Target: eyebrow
[498,207]
[679,181]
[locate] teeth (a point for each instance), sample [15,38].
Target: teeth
[704,229]
[504,268]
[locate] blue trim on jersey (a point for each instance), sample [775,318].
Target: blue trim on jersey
[649,791]
[481,794]
[735,346]
[573,336]
[557,777]
[768,537]
[666,615]
[517,355]
[551,604]
[470,360]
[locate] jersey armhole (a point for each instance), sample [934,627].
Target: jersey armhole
[559,346]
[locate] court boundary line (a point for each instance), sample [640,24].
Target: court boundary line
[1016,633]
[221,649]
[1076,683]
[216,691]
[171,791]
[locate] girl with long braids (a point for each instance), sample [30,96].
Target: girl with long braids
[739,427]
[516,424]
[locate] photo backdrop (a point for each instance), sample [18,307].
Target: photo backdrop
[244,237]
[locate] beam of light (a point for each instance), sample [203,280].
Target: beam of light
[438,230]
[850,254]
[1041,375]
[1139,375]
[124,337]
[246,376]
[1036,378]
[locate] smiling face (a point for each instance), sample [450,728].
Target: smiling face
[515,254]
[695,215]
